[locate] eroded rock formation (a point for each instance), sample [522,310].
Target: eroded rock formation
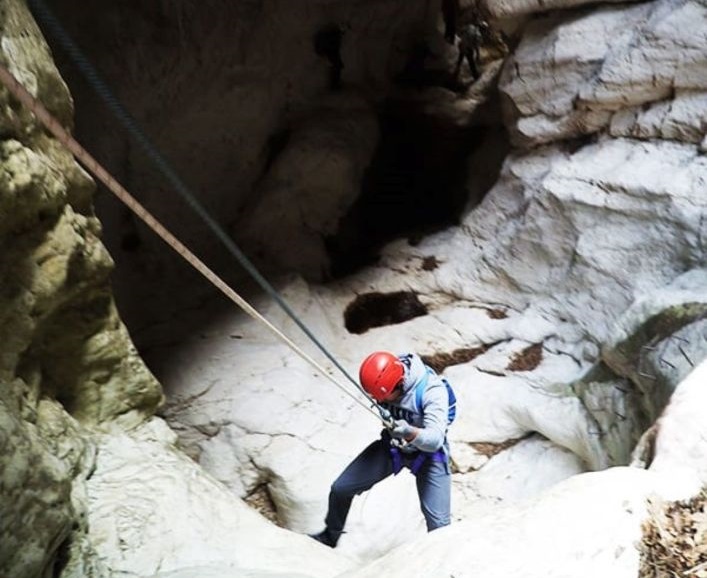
[67,362]
[565,302]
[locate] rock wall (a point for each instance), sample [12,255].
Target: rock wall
[633,70]
[570,303]
[67,362]
[238,97]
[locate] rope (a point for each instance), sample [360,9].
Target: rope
[81,155]
[46,16]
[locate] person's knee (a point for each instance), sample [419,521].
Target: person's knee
[342,488]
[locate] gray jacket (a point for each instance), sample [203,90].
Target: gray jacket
[432,417]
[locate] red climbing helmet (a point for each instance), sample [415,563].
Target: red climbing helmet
[380,373]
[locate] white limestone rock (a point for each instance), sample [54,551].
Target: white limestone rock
[466,459]
[667,52]
[499,408]
[151,510]
[509,9]
[524,470]
[586,526]
[661,338]
[570,50]
[680,446]
[605,64]
[213,571]
[568,233]
[681,118]
[575,250]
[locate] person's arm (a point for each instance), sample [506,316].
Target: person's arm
[435,409]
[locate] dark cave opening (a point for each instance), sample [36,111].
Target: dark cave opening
[419,182]
[378,309]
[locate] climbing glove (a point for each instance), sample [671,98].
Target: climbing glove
[403,430]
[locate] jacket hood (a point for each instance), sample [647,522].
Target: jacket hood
[414,370]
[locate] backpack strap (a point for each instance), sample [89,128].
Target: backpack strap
[452,400]
[420,389]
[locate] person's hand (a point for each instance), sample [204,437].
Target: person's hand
[403,430]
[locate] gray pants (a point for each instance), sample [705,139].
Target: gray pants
[434,484]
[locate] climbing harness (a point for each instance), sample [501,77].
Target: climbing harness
[43,14]
[92,165]
[413,460]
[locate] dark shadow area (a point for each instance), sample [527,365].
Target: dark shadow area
[417,74]
[63,555]
[159,62]
[379,309]
[327,44]
[415,185]
[276,143]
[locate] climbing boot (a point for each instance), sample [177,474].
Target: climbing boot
[327,537]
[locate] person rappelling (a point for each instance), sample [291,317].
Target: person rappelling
[422,405]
